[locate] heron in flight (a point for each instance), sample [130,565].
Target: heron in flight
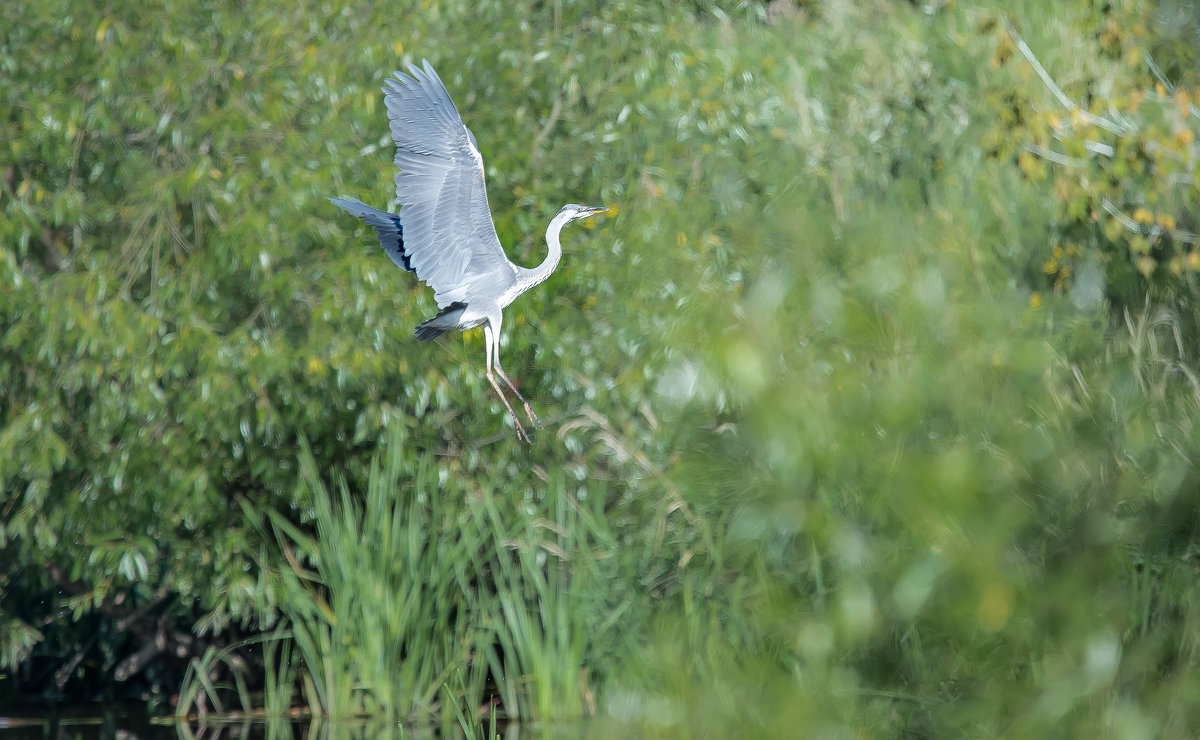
[444,231]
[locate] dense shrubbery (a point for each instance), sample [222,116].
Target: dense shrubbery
[819,456]
[1117,140]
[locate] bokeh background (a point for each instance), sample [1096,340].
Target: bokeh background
[871,408]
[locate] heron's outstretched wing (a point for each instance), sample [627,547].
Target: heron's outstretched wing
[386,225]
[449,237]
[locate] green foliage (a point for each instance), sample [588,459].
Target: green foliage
[1118,141]
[429,594]
[377,638]
[819,457]
[174,319]
[201,695]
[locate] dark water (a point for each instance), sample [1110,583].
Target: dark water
[78,722]
[133,722]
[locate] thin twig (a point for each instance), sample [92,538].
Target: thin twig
[1055,157]
[1157,72]
[1153,231]
[1166,83]
[1037,67]
[606,433]
[1095,147]
[1066,102]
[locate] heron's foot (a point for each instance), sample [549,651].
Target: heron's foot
[522,435]
[533,418]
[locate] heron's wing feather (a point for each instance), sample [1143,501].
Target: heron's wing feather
[386,225]
[449,236]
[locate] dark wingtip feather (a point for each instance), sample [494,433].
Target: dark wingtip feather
[387,226]
[437,326]
[428,333]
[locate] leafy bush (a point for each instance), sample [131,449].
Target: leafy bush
[175,321]
[818,457]
[1117,141]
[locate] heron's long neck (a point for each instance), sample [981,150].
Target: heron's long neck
[538,275]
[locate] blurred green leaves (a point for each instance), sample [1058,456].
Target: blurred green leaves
[820,454]
[1117,139]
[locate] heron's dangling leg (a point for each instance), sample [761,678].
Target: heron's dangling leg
[495,361]
[490,339]
[533,418]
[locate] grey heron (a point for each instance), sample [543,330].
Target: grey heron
[444,231]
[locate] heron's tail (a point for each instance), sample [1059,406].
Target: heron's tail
[446,320]
[386,225]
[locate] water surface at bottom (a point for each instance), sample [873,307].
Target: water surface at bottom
[133,722]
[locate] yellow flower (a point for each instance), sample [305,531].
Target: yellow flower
[995,606]
[1183,100]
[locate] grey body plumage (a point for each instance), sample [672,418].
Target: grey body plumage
[444,231]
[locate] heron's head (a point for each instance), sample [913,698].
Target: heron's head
[574,211]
